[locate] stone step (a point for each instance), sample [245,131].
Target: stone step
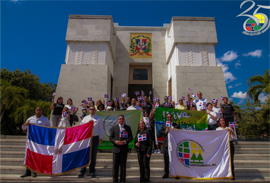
[134,171]
[74,178]
[20,154]
[237,150]
[107,163]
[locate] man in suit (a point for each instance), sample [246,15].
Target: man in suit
[120,148]
[165,131]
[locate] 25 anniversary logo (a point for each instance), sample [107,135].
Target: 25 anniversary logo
[256,24]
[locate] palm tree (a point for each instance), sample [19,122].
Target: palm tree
[11,97]
[28,109]
[260,84]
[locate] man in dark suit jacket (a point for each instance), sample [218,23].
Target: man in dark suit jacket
[166,101]
[164,131]
[120,148]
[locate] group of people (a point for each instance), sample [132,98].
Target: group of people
[121,134]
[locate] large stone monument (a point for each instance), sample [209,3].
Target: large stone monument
[105,58]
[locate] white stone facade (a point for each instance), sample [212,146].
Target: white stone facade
[98,51]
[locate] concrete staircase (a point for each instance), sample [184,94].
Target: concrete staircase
[251,165]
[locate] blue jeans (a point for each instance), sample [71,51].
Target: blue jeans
[92,166]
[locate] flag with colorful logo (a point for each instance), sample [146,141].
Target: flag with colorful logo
[123,95]
[56,151]
[192,156]
[142,137]
[124,134]
[233,124]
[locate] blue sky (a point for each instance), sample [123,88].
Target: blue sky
[33,34]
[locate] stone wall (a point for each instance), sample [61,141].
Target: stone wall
[82,81]
[207,79]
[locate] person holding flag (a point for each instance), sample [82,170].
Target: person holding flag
[200,103]
[211,117]
[96,140]
[120,136]
[72,110]
[223,125]
[37,119]
[143,146]
[147,106]
[165,129]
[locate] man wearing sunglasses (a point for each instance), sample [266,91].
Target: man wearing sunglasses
[164,131]
[96,138]
[120,136]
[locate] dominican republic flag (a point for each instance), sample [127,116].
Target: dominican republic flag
[89,98]
[56,151]
[142,137]
[168,123]
[106,95]
[194,95]
[233,124]
[184,98]
[116,99]
[64,114]
[156,106]
[170,97]
[123,95]
[221,98]
[72,108]
[140,98]
[124,134]
[215,101]
[143,103]
[53,94]
[142,92]
[189,89]
[137,93]
[150,93]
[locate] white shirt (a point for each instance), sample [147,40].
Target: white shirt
[200,103]
[209,119]
[69,108]
[232,137]
[133,107]
[218,111]
[43,121]
[98,124]
[181,107]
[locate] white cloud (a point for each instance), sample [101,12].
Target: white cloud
[229,56]
[262,97]
[239,95]
[256,53]
[227,75]
[238,63]
[230,86]
[240,102]
[238,84]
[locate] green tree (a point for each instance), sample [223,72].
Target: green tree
[21,93]
[193,158]
[25,79]
[200,158]
[259,84]
[11,96]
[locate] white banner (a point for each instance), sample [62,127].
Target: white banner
[200,155]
